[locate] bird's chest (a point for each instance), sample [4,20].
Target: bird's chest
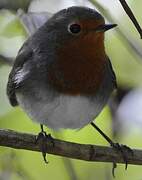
[77,70]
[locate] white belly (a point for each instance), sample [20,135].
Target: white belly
[63,111]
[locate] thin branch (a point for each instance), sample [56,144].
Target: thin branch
[131,16]
[9,138]
[129,41]
[6,60]
[15,4]
[68,165]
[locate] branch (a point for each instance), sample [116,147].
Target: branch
[15,4]
[131,16]
[6,60]
[129,41]
[85,152]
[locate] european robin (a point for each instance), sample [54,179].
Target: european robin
[62,76]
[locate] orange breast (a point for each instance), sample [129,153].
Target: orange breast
[79,68]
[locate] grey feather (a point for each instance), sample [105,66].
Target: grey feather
[28,84]
[14,82]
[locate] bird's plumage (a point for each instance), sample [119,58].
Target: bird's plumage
[64,103]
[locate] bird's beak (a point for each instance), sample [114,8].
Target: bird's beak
[105,27]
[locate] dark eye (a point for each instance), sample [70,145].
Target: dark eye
[74,28]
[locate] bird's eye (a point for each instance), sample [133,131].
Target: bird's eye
[74,28]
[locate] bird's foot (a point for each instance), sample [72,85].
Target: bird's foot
[42,138]
[123,149]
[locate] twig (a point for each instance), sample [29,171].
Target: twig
[15,4]
[9,138]
[68,165]
[129,41]
[6,60]
[131,16]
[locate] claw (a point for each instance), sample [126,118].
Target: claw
[44,157]
[123,149]
[113,169]
[42,138]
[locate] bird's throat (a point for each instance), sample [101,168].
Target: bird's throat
[79,69]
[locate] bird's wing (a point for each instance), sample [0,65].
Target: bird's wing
[16,76]
[31,21]
[113,76]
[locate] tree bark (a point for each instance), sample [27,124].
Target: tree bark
[87,152]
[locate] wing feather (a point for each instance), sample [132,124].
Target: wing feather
[17,76]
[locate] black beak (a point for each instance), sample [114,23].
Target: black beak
[105,27]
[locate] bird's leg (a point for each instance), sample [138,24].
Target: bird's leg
[43,137]
[122,148]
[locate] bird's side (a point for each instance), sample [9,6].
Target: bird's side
[63,79]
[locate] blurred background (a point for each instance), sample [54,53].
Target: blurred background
[121,119]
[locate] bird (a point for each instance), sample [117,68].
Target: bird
[62,77]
